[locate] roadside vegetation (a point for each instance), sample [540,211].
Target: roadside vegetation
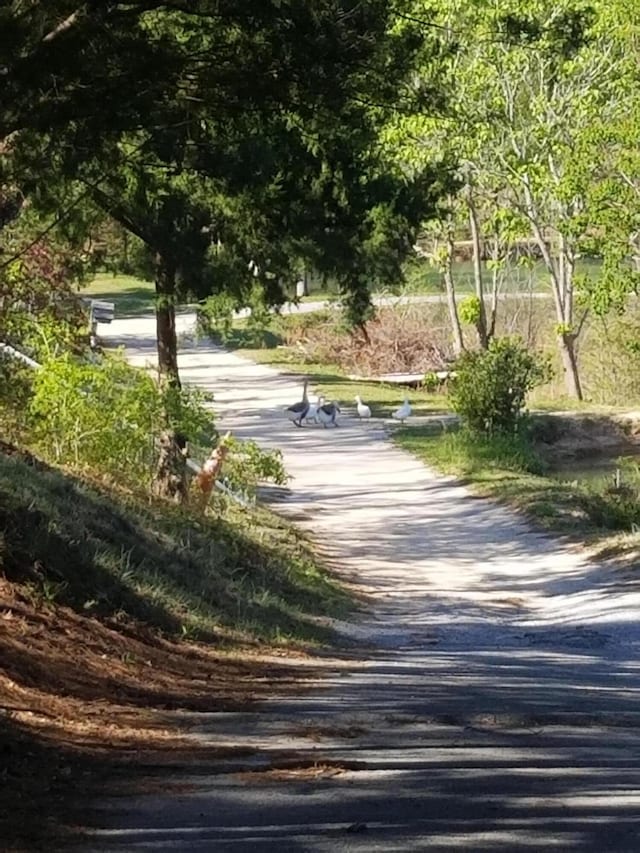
[503,452]
[240,575]
[118,604]
[116,610]
[594,511]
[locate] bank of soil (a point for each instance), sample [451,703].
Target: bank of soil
[573,437]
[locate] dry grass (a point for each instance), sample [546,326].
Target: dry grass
[85,704]
[415,338]
[395,341]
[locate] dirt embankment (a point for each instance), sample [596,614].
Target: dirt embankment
[574,436]
[83,704]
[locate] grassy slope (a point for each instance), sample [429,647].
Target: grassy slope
[245,573]
[115,611]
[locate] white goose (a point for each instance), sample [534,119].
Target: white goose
[364,412]
[403,412]
[327,414]
[298,411]
[312,414]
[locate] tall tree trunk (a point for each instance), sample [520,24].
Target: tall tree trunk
[567,346]
[481,325]
[456,329]
[171,472]
[561,278]
[497,277]
[166,322]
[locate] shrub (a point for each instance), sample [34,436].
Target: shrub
[40,311]
[16,390]
[470,310]
[491,386]
[431,383]
[215,316]
[248,465]
[106,416]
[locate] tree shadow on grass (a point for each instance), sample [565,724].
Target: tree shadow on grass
[106,556]
[129,301]
[94,591]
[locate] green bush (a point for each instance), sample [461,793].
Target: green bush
[431,383]
[470,310]
[491,386]
[215,316]
[16,390]
[106,416]
[248,465]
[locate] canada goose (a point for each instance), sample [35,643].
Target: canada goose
[298,411]
[403,412]
[364,412]
[327,414]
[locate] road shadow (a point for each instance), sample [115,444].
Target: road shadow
[495,748]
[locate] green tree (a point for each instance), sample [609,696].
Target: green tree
[254,145]
[531,83]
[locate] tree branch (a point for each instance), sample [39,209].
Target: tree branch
[65,25]
[118,211]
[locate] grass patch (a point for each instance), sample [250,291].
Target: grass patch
[132,296]
[242,574]
[539,402]
[509,470]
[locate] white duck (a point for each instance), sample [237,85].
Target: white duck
[327,414]
[403,412]
[298,411]
[364,412]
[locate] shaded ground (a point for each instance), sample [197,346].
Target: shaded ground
[83,702]
[98,598]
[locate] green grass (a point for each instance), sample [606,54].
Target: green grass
[241,574]
[539,401]
[509,470]
[132,296]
